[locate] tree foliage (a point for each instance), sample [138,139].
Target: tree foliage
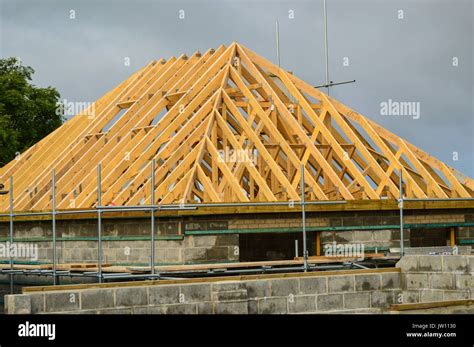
[27,113]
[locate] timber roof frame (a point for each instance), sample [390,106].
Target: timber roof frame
[185,112]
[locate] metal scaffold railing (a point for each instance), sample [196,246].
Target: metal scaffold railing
[152,208]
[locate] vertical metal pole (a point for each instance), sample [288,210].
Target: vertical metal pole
[303,221]
[53,218]
[152,217]
[11,233]
[326,43]
[296,248]
[400,205]
[99,222]
[277,29]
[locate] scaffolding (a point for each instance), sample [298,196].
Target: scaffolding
[152,209]
[99,210]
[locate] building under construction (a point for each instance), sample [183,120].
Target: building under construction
[220,165]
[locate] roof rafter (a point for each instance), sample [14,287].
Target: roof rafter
[223,126]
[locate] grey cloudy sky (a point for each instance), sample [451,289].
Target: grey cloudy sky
[409,59]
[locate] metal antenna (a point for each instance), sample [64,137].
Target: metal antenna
[326,43]
[277,32]
[326,50]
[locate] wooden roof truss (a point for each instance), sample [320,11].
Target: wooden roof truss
[189,113]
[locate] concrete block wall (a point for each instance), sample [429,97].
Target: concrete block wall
[88,227]
[421,218]
[323,219]
[347,218]
[188,250]
[419,278]
[427,278]
[129,244]
[369,238]
[465,234]
[361,292]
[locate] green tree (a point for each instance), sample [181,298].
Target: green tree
[27,113]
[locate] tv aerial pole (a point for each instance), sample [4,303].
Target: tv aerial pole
[326,51]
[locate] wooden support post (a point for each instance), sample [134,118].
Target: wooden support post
[318,243]
[452,236]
